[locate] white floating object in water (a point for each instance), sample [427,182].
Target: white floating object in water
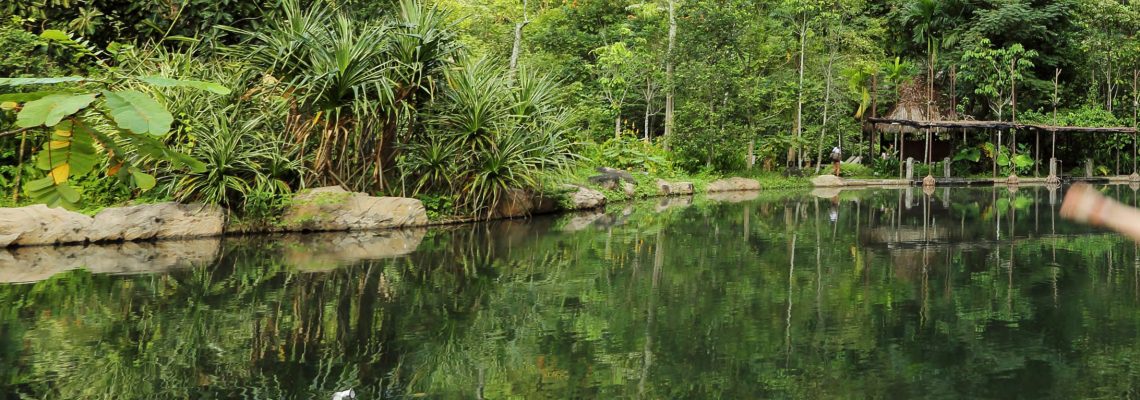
[347,394]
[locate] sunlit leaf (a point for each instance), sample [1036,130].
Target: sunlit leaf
[60,173]
[41,81]
[143,180]
[51,109]
[200,85]
[134,111]
[26,97]
[68,193]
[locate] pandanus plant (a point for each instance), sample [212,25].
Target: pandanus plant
[490,136]
[352,84]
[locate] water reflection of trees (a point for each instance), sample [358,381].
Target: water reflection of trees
[977,293]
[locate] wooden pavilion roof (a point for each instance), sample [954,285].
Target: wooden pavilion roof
[1002,125]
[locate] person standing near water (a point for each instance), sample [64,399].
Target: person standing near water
[836,158]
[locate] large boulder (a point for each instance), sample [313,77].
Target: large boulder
[335,209]
[40,224]
[827,181]
[522,203]
[583,198]
[629,189]
[733,185]
[666,188]
[157,221]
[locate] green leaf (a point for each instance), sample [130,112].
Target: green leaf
[1003,159]
[49,110]
[971,154]
[40,81]
[39,185]
[200,85]
[29,96]
[134,111]
[55,34]
[45,191]
[151,147]
[1023,161]
[68,193]
[143,180]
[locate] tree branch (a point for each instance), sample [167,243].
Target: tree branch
[14,132]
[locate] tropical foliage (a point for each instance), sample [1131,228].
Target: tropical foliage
[467,98]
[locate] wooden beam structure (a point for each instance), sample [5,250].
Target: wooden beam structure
[999,125]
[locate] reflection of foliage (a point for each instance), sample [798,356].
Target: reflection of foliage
[685,302]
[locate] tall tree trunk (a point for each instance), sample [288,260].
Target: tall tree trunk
[876,139]
[669,73]
[516,48]
[648,104]
[800,95]
[826,101]
[1056,100]
[929,104]
[617,126]
[1013,115]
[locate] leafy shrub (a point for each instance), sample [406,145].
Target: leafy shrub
[885,167]
[490,136]
[237,153]
[437,206]
[23,53]
[630,153]
[265,203]
[356,85]
[90,123]
[855,170]
[241,136]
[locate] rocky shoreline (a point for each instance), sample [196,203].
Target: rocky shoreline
[328,209]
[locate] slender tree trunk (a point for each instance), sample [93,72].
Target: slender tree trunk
[826,103]
[876,140]
[669,91]
[19,168]
[1135,104]
[1013,104]
[800,95]
[617,126]
[648,104]
[929,103]
[1056,100]
[516,48]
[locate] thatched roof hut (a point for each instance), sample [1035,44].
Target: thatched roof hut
[912,106]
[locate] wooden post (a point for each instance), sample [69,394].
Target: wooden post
[946,167]
[1053,179]
[1088,168]
[1056,100]
[997,154]
[910,168]
[1037,155]
[902,146]
[1135,104]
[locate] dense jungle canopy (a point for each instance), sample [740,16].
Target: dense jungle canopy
[468,97]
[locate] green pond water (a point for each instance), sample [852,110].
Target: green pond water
[962,293]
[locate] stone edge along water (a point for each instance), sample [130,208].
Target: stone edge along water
[326,209]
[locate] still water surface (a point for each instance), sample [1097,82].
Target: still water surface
[965,293]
